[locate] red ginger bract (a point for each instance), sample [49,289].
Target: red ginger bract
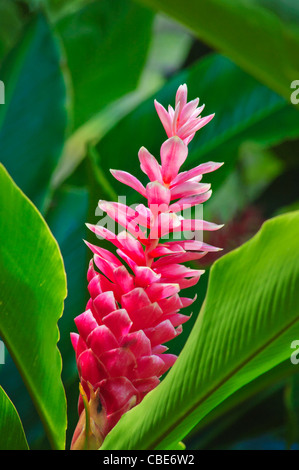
[135,302]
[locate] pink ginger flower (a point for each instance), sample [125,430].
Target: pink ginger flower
[135,303]
[184,120]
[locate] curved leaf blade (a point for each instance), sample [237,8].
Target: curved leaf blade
[12,436]
[32,291]
[249,319]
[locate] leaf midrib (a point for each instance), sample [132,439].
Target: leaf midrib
[189,411]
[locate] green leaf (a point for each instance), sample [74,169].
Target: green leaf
[33,120]
[245,111]
[12,436]
[32,290]
[117,34]
[248,321]
[258,35]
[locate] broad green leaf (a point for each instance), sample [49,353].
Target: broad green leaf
[34,118]
[245,111]
[33,288]
[117,34]
[258,35]
[12,435]
[248,321]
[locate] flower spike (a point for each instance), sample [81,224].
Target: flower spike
[135,293]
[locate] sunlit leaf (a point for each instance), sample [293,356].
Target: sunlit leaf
[106,44]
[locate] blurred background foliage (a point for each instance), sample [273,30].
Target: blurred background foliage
[80,78]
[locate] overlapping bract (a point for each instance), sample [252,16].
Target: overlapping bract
[135,302]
